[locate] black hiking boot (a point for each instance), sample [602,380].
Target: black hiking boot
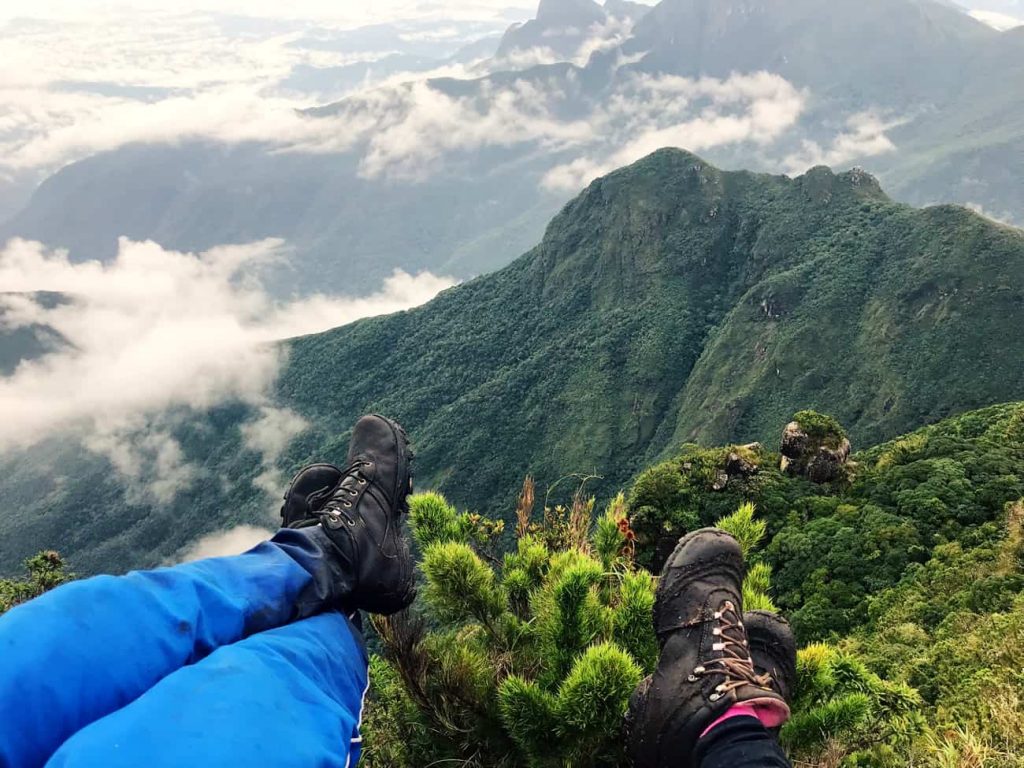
[361,514]
[705,666]
[773,650]
[307,494]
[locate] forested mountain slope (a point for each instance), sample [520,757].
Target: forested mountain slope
[671,302]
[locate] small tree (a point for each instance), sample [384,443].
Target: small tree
[43,572]
[531,662]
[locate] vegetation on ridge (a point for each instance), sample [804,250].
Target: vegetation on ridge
[911,638]
[669,303]
[905,582]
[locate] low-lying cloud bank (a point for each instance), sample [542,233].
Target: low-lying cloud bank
[205,82]
[156,332]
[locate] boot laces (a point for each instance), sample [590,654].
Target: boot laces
[735,664]
[335,502]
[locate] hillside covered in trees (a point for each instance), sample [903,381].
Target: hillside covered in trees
[669,303]
[903,575]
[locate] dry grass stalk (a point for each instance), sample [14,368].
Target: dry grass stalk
[580,515]
[524,509]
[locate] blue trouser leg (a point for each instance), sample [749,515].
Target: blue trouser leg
[89,648]
[286,697]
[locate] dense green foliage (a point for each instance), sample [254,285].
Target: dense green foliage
[531,660]
[821,427]
[671,302]
[43,572]
[832,546]
[528,660]
[905,583]
[954,629]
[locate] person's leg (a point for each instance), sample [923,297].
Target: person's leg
[286,697]
[740,742]
[88,648]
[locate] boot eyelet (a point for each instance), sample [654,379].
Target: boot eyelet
[347,504]
[351,522]
[692,679]
[715,696]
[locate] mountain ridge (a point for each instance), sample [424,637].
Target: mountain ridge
[951,112]
[670,302]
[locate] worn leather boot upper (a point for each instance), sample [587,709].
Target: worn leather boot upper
[773,650]
[705,666]
[307,494]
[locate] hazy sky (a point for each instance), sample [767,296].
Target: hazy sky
[343,11]
[339,11]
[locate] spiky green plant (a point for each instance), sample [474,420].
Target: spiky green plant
[530,662]
[750,533]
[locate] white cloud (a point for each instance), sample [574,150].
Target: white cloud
[157,331]
[212,85]
[864,136]
[419,124]
[269,435]
[649,113]
[996,20]
[231,542]
[148,458]
[1006,218]
[197,78]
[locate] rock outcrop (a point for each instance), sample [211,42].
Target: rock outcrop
[822,456]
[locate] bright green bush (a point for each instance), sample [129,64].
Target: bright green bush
[531,660]
[43,572]
[526,660]
[821,428]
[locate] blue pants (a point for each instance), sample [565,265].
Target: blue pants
[232,661]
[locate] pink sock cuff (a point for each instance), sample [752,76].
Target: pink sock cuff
[770,716]
[737,710]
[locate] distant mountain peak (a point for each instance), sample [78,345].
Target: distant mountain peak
[560,26]
[570,12]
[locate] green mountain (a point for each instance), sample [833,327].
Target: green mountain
[947,87]
[671,302]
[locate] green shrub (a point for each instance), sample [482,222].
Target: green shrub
[821,428]
[531,660]
[43,572]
